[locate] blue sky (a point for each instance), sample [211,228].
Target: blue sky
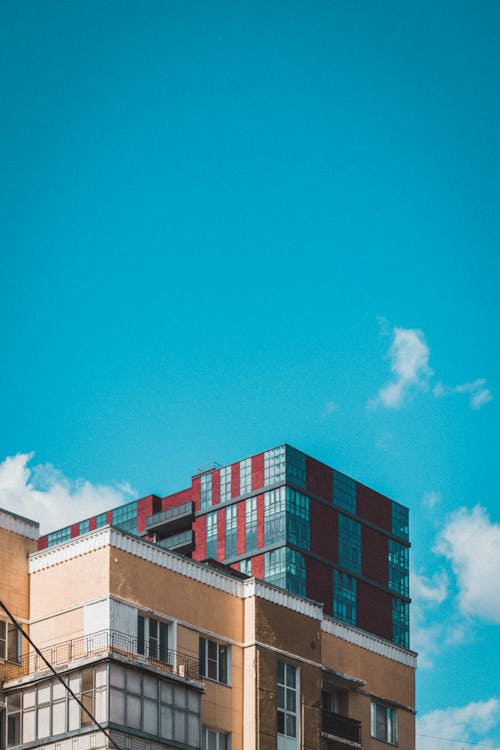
[230,225]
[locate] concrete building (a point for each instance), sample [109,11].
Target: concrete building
[170,651]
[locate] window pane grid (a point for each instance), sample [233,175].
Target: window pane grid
[349,543]
[274,466]
[245,476]
[398,567]
[274,516]
[225,484]
[212,535]
[344,597]
[231,530]
[344,491]
[295,466]
[250,524]
[206,491]
[400,521]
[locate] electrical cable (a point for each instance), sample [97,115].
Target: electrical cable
[59,677]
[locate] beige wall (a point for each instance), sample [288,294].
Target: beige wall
[14,582]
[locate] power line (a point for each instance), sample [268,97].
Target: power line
[58,676]
[458,742]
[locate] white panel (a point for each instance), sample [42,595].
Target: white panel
[123,618]
[96,617]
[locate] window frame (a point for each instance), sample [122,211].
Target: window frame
[390,724]
[222,661]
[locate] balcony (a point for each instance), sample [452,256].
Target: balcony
[171,519]
[98,645]
[340,728]
[182,542]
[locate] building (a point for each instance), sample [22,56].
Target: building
[288,519]
[173,651]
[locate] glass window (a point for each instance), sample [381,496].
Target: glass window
[246,566]
[274,516]
[231,530]
[250,524]
[215,660]
[295,466]
[286,568]
[100,520]
[400,521]
[349,543]
[152,638]
[212,535]
[225,484]
[344,491]
[84,527]
[214,740]
[58,537]
[125,517]
[206,491]
[245,476]
[344,597]
[384,723]
[274,466]
[400,623]
[287,705]
[398,568]
[297,518]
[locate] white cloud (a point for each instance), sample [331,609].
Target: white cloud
[468,724]
[409,355]
[431,499]
[44,494]
[471,542]
[430,630]
[476,390]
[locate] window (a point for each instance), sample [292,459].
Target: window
[250,524]
[245,476]
[274,466]
[400,521]
[100,520]
[384,723]
[206,491]
[246,566]
[46,709]
[125,517]
[231,529]
[58,537]
[213,740]
[295,466]
[152,638]
[297,518]
[344,597]
[84,527]
[215,661]
[398,568]
[400,623]
[10,642]
[287,706]
[344,491]
[286,568]
[349,543]
[212,535]
[274,516]
[225,484]
[147,703]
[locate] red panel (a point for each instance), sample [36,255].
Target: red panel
[92,524]
[235,479]
[319,584]
[373,507]
[260,521]
[374,610]
[178,498]
[374,555]
[258,566]
[324,530]
[43,542]
[75,530]
[200,532]
[319,479]
[258,471]
[221,534]
[240,528]
[215,487]
[109,517]
[196,491]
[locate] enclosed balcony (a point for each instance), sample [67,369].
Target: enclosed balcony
[339,730]
[170,520]
[182,542]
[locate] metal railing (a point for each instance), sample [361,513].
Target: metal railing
[103,643]
[170,514]
[341,726]
[182,539]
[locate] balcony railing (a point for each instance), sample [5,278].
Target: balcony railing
[106,642]
[171,519]
[340,726]
[183,541]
